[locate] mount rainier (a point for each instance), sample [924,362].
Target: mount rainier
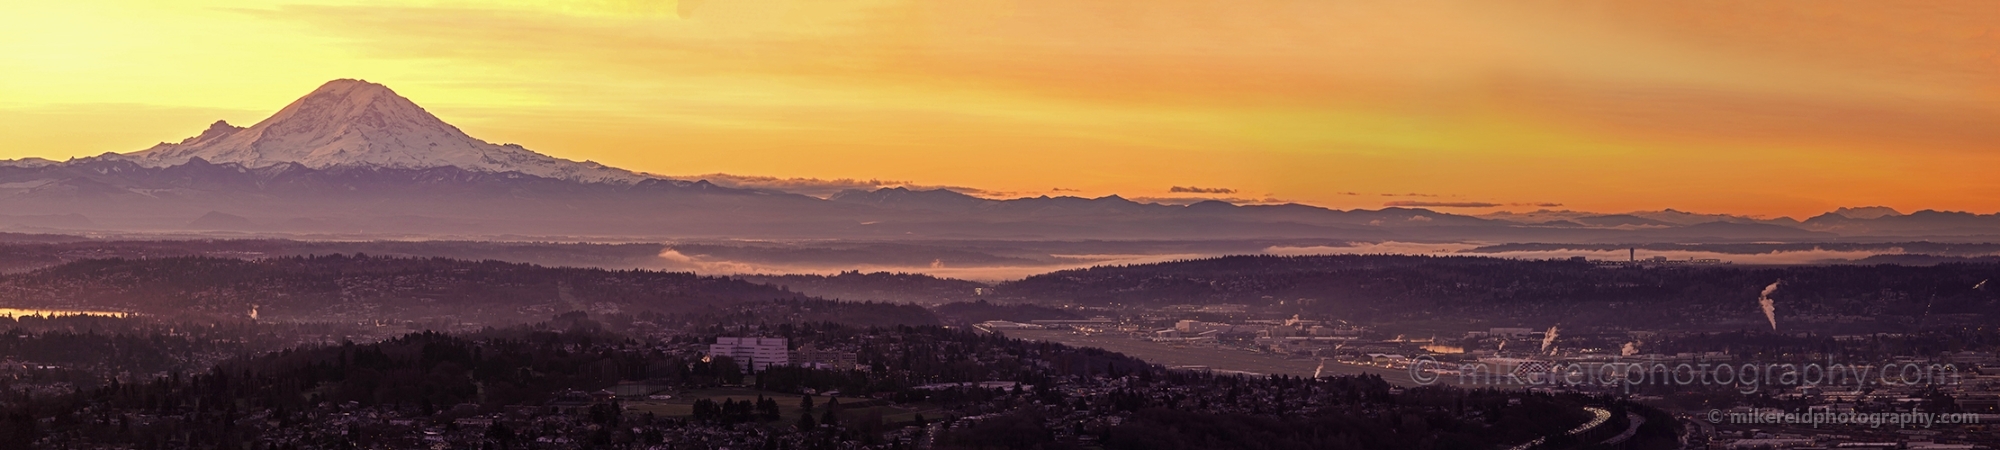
[355,123]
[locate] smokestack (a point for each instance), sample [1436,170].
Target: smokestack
[1633,256]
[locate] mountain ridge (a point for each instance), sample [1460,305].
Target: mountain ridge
[116,193]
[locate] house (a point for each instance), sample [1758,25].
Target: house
[810,356]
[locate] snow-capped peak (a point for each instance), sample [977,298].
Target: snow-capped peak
[355,123]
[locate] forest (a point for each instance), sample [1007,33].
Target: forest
[24,252]
[1389,287]
[363,287]
[878,286]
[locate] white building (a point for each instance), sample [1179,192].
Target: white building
[1005,325]
[753,353]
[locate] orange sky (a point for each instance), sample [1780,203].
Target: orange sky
[1768,108]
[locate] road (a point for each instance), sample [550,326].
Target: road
[931,432]
[1634,421]
[1598,416]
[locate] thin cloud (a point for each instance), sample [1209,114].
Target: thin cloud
[1418,204]
[1813,256]
[1200,190]
[1424,204]
[1182,201]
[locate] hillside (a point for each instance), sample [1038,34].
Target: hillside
[365,288]
[1390,288]
[878,286]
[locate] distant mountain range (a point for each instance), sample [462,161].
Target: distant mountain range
[1875,221]
[353,158]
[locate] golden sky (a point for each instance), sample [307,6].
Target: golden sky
[1767,108]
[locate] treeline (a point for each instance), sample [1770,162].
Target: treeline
[863,254]
[895,360]
[730,411]
[1390,285]
[363,287]
[85,358]
[420,374]
[88,350]
[878,286]
[785,311]
[20,253]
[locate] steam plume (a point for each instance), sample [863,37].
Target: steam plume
[1549,339]
[1770,310]
[1631,348]
[1927,311]
[1503,345]
[1322,366]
